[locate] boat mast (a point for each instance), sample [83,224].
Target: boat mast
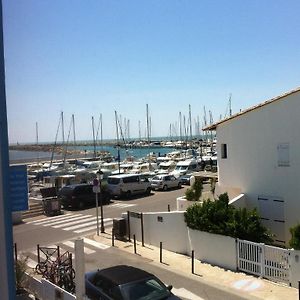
[180,128]
[94,141]
[118,143]
[37,142]
[190,122]
[74,136]
[62,127]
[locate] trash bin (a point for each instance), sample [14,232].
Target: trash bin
[51,206]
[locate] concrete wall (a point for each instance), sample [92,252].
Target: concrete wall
[239,201]
[214,249]
[166,227]
[253,140]
[45,290]
[295,268]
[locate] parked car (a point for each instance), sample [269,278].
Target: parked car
[186,179]
[127,185]
[165,182]
[125,283]
[80,196]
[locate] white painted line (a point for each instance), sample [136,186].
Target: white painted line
[68,219]
[86,250]
[95,244]
[182,292]
[85,224]
[47,219]
[31,263]
[78,220]
[121,205]
[92,228]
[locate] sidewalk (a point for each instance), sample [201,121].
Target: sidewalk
[239,283]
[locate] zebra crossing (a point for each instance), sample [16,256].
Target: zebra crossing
[90,247]
[76,222]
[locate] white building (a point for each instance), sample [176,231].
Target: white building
[259,156]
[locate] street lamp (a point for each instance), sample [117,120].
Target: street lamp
[97,190]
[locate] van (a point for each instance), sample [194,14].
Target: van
[185,167]
[127,185]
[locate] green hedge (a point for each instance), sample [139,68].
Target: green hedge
[221,218]
[295,240]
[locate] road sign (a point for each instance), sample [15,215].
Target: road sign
[96,189]
[18,187]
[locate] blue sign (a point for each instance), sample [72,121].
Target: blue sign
[18,187]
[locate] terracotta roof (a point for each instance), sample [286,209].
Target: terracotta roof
[214,126]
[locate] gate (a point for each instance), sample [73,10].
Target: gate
[262,260]
[276,264]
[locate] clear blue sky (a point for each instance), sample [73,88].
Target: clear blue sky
[90,57]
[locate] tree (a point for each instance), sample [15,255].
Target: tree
[195,191]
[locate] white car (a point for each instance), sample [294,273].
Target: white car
[165,182]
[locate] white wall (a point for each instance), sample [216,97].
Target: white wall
[295,267]
[207,247]
[172,231]
[252,164]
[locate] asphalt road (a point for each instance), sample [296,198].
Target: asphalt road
[52,231]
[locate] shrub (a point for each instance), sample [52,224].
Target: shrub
[195,191]
[20,269]
[221,218]
[295,240]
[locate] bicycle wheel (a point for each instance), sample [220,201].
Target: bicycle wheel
[41,268]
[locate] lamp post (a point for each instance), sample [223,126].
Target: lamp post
[96,190]
[100,173]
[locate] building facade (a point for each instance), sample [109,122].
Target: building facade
[259,156]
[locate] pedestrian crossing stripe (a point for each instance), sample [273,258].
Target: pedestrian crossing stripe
[47,219]
[62,218]
[94,222]
[95,244]
[122,205]
[77,221]
[108,224]
[72,245]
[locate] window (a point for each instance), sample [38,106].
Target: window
[223,150]
[283,153]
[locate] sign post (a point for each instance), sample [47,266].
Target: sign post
[96,190]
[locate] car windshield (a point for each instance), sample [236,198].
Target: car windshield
[181,168]
[113,180]
[156,178]
[149,289]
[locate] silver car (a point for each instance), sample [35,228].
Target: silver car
[165,182]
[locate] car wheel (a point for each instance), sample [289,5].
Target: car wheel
[128,194]
[81,205]
[179,185]
[165,187]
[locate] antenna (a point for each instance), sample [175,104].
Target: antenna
[230,111]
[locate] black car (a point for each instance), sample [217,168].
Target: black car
[80,196]
[125,283]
